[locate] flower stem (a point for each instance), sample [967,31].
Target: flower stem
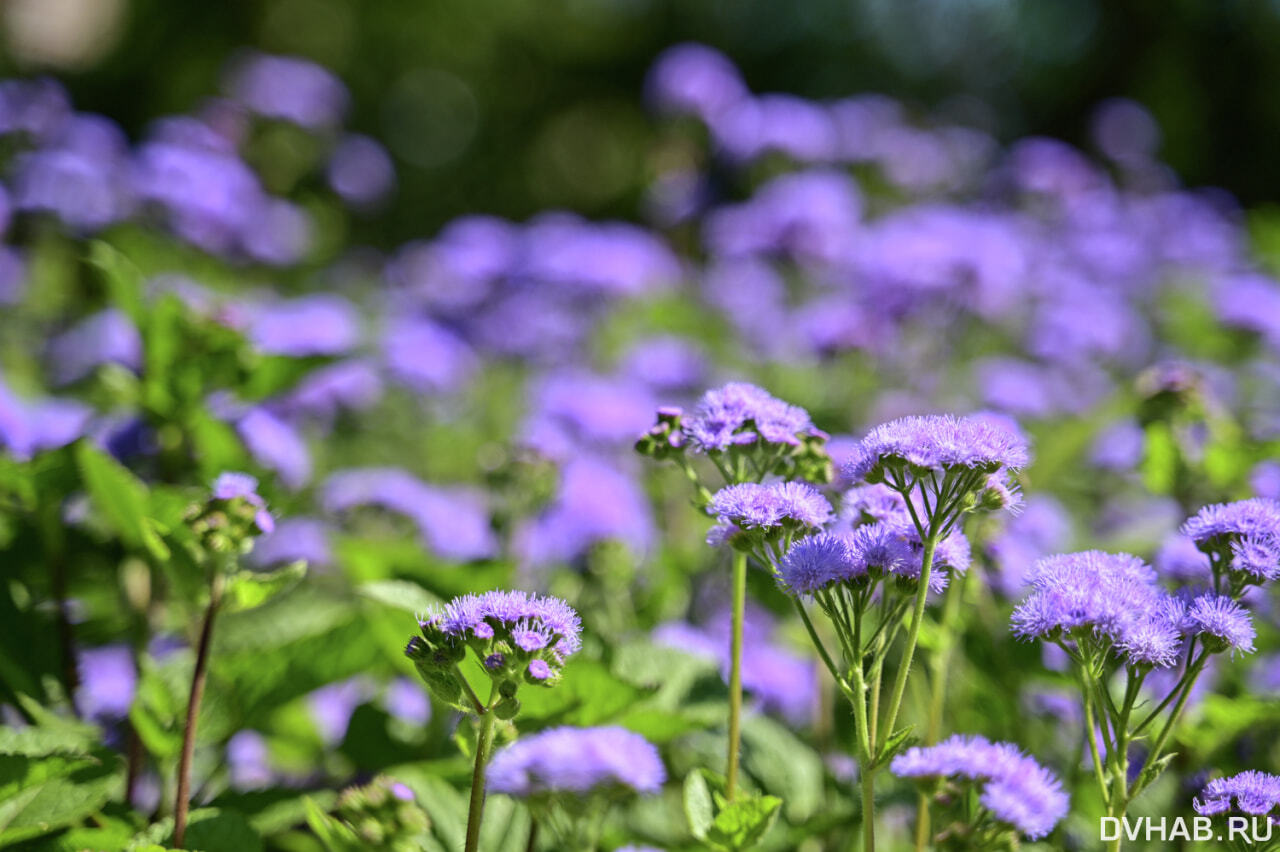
[735,671]
[198,676]
[913,636]
[475,813]
[866,775]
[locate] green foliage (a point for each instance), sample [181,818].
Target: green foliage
[723,825]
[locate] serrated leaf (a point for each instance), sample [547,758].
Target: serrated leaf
[123,279]
[699,810]
[40,795]
[742,822]
[248,590]
[1152,772]
[898,742]
[208,830]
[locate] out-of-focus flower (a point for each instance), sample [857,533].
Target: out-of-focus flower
[360,171]
[276,445]
[28,426]
[696,80]
[107,337]
[426,357]
[289,88]
[320,324]
[294,539]
[453,522]
[1012,786]
[332,706]
[108,678]
[577,762]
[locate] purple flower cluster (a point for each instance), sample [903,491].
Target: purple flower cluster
[231,486]
[1114,599]
[1015,789]
[543,631]
[1244,536]
[741,414]
[1250,792]
[577,762]
[889,548]
[939,442]
[756,506]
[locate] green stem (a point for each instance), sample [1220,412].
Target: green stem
[1157,749]
[866,777]
[198,677]
[941,663]
[735,671]
[913,636]
[484,740]
[1094,752]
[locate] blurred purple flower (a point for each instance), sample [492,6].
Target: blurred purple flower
[812,216]
[108,678]
[290,89]
[107,337]
[353,385]
[407,701]
[28,426]
[34,107]
[276,445]
[426,357]
[249,761]
[331,707]
[294,539]
[320,324]
[360,171]
[694,79]
[453,522]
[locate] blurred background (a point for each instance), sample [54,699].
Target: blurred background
[509,107]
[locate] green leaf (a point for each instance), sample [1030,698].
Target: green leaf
[699,810]
[123,280]
[50,735]
[1150,773]
[120,497]
[400,594]
[743,822]
[587,694]
[251,589]
[898,742]
[335,836]
[208,830]
[40,795]
[784,764]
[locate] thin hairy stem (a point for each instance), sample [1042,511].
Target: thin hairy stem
[181,802]
[484,741]
[735,672]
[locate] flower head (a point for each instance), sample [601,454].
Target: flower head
[1013,787]
[739,414]
[1221,623]
[1250,792]
[940,442]
[577,762]
[753,505]
[819,561]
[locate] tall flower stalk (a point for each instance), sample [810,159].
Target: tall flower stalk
[748,436]
[518,640]
[225,526]
[1118,626]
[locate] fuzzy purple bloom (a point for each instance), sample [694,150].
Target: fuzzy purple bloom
[108,337]
[816,562]
[740,413]
[1217,617]
[290,89]
[939,442]
[1255,517]
[1014,788]
[577,762]
[1250,792]
[753,505]
[515,612]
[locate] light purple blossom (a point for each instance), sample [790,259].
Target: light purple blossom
[753,505]
[740,413]
[1250,792]
[577,762]
[940,442]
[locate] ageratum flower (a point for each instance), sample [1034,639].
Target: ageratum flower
[1015,789]
[753,505]
[1221,623]
[939,442]
[516,636]
[819,561]
[1251,792]
[1230,521]
[232,486]
[578,762]
[739,414]
[1109,597]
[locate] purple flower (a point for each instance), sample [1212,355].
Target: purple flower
[83,189]
[1013,787]
[333,705]
[321,324]
[1222,623]
[577,761]
[406,701]
[30,426]
[596,259]
[1180,560]
[694,79]
[1255,517]
[1042,527]
[816,562]
[426,357]
[539,670]
[1250,792]
[940,442]
[241,486]
[740,413]
[294,539]
[108,678]
[289,88]
[108,337]
[596,502]
[454,522]
[812,216]
[1258,557]
[360,171]
[753,505]
[276,445]
[1109,596]
[481,616]
[249,761]
[347,385]
[34,107]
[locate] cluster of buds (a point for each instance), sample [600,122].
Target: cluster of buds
[380,815]
[518,639]
[232,517]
